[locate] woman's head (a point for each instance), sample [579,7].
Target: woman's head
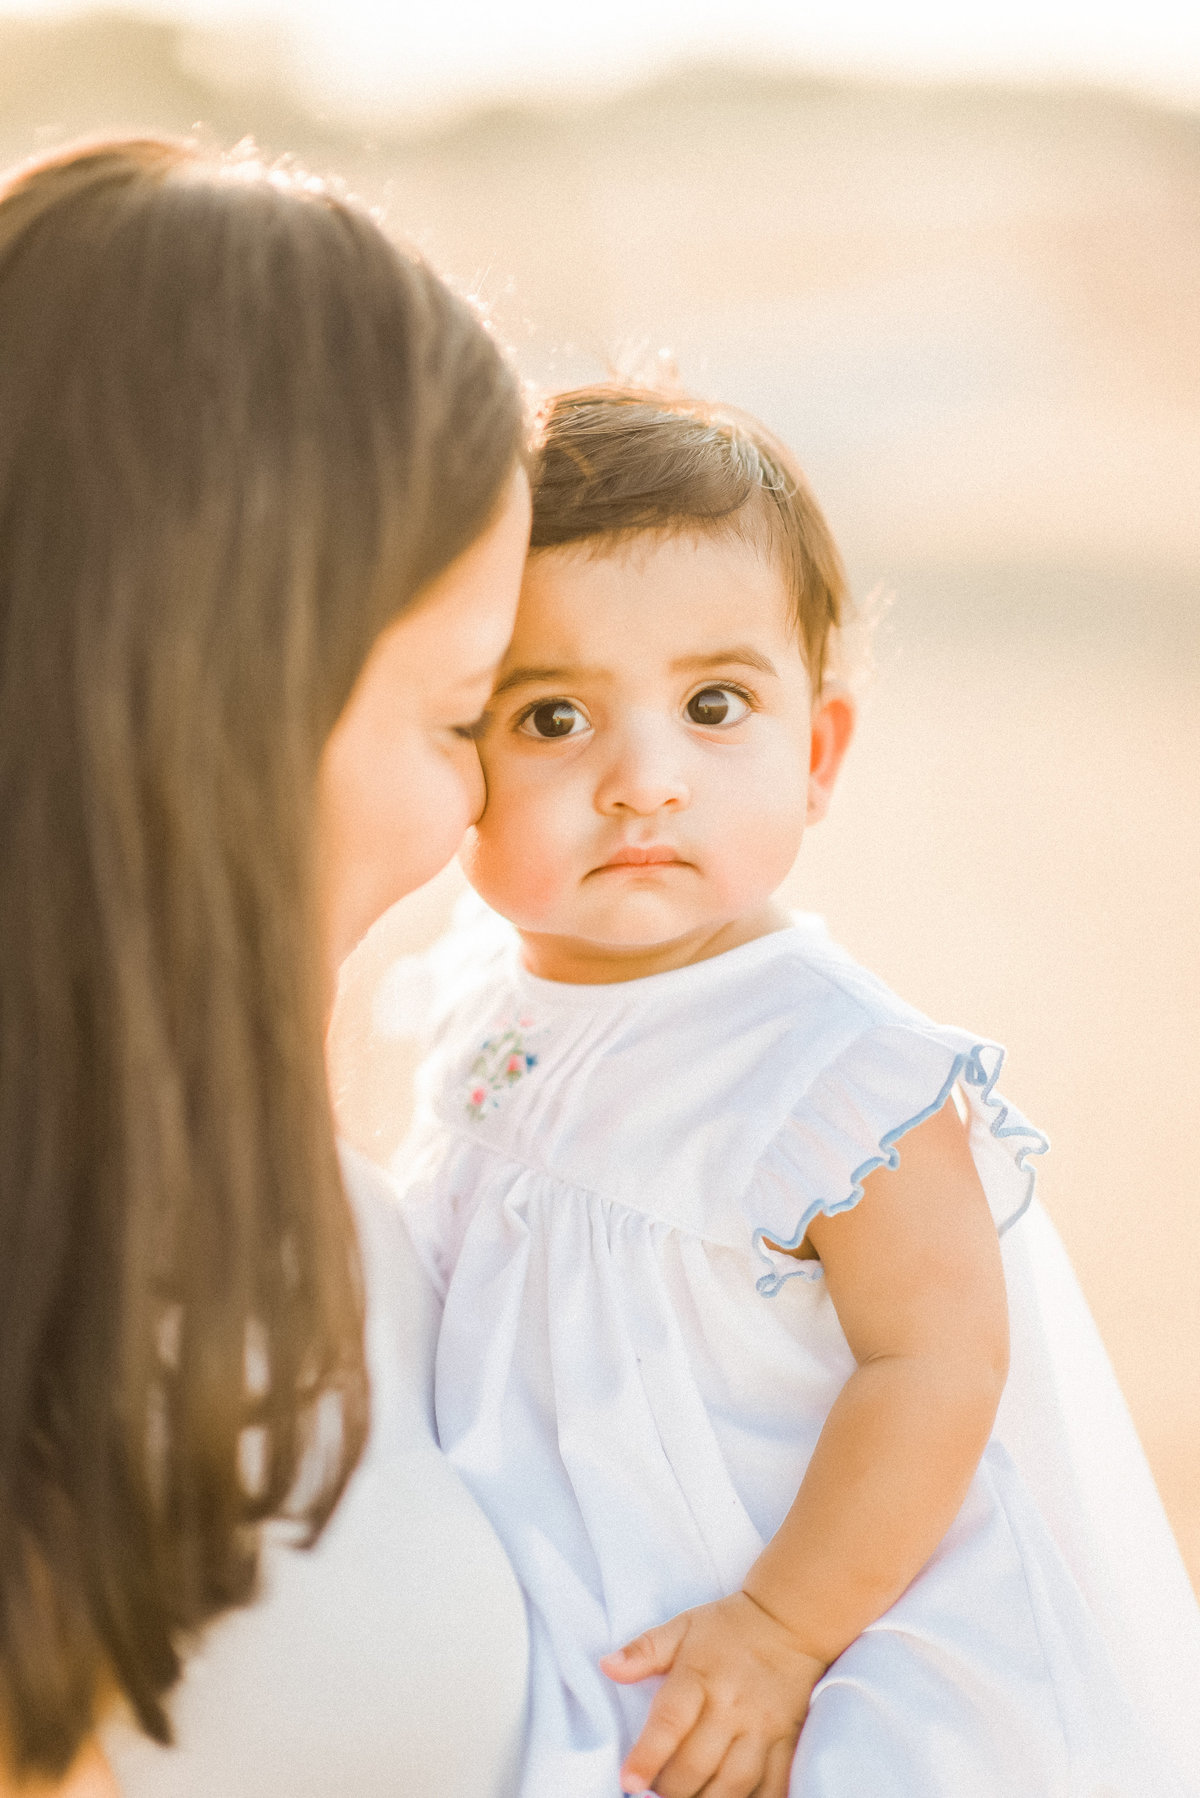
[241,436]
[663,729]
[400,776]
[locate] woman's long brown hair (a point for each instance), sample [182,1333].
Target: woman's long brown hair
[239,432]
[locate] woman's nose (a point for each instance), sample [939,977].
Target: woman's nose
[469,773]
[645,772]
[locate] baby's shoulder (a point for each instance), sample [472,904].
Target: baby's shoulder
[821,1002]
[874,1068]
[811,965]
[848,1045]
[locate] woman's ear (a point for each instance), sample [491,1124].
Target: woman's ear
[832,728]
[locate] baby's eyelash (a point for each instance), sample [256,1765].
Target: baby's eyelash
[745,694]
[535,705]
[732,686]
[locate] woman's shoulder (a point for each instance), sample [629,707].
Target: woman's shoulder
[398,1641]
[401,1308]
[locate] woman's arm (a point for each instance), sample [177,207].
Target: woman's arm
[915,1275]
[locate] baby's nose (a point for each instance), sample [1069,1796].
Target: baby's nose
[645,773]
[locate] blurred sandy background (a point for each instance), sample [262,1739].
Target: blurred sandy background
[976,314]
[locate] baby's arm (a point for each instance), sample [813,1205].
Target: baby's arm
[915,1275]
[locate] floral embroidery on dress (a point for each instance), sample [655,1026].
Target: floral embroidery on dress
[503,1060]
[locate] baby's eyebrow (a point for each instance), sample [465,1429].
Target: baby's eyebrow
[528,677]
[743,654]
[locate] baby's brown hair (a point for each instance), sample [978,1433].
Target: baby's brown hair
[615,461]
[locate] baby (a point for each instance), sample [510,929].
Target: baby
[729,1235]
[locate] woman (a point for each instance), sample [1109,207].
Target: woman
[262,519]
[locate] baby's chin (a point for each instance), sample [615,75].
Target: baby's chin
[623,914]
[627,929]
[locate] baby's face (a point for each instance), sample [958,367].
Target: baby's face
[648,752]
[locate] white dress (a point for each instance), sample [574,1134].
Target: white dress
[391,1658]
[631,1381]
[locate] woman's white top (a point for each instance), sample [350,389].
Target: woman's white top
[391,1658]
[631,1380]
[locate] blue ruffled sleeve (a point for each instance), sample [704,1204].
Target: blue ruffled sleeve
[852,1120]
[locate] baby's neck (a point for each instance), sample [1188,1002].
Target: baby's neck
[579,962]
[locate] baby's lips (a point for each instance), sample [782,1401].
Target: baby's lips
[644,855]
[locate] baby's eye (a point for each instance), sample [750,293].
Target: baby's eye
[554,718]
[717,705]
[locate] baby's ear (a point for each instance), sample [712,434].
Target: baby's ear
[832,728]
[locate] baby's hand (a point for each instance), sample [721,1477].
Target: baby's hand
[727,1717]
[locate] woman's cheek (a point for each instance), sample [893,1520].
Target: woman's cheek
[461,799]
[442,797]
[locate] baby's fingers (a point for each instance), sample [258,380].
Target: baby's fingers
[777,1774]
[673,1714]
[741,1773]
[653,1652]
[703,1750]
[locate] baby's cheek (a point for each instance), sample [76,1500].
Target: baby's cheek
[767,843]
[509,867]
